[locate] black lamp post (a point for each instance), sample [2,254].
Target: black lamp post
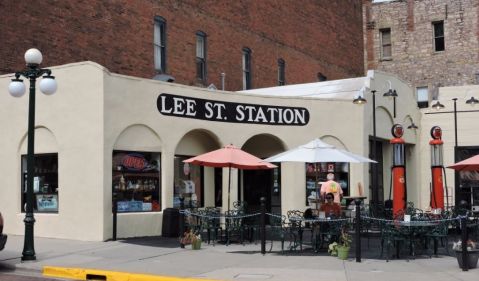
[360,101]
[48,86]
[438,106]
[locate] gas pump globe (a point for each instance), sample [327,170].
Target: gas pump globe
[436,147]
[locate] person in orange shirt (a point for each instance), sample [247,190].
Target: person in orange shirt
[327,208]
[330,206]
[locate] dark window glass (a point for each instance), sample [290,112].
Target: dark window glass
[160,44]
[281,73]
[200,56]
[246,68]
[45,183]
[439,36]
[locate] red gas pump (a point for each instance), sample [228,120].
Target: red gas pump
[398,170]
[437,190]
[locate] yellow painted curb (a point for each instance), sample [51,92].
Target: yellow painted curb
[78,273]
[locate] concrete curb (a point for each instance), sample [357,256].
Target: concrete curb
[82,274]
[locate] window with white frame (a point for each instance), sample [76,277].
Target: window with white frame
[439,44]
[160,43]
[386,51]
[200,56]
[246,68]
[422,94]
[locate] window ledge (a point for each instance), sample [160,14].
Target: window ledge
[387,59]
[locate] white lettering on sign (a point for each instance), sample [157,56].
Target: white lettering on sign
[173,105]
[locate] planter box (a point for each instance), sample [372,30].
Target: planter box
[472,258]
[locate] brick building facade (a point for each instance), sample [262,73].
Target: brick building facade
[313,37]
[428,43]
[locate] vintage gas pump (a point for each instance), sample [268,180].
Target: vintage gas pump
[398,170]
[437,189]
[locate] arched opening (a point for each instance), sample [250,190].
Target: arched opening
[255,184]
[200,186]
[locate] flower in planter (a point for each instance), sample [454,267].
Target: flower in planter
[346,239]
[470,245]
[189,237]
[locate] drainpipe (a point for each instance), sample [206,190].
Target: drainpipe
[223,81]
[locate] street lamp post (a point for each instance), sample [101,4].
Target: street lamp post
[360,101]
[438,106]
[48,86]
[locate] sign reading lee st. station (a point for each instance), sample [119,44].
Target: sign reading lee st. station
[220,111]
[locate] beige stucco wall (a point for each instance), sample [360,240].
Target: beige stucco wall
[95,112]
[467,132]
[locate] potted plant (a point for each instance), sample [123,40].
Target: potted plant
[192,238]
[472,253]
[341,249]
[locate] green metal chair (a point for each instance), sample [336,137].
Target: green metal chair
[332,233]
[437,233]
[211,223]
[252,225]
[296,229]
[234,222]
[278,227]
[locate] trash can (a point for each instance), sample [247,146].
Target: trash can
[171,225]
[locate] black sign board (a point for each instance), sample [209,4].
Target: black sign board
[220,111]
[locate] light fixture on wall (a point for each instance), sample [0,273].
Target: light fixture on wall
[48,86]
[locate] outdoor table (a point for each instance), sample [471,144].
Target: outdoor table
[413,225]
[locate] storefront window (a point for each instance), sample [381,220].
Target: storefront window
[341,176]
[45,183]
[136,181]
[188,182]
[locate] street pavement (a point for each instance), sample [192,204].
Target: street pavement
[159,256]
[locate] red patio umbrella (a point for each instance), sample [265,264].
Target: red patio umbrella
[470,164]
[232,157]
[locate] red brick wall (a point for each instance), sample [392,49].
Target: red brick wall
[310,36]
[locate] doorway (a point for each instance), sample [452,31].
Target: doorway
[263,183]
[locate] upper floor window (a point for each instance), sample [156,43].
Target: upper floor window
[246,68]
[386,51]
[439,36]
[422,94]
[281,74]
[160,44]
[200,56]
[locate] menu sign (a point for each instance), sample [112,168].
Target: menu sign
[220,111]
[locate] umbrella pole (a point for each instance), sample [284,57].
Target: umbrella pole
[318,195]
[229,186]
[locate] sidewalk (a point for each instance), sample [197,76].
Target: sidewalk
[163,257]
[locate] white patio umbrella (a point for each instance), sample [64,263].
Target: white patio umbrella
[318,151]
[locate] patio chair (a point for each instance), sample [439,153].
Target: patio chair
[252,225]
[212,225]
[278,227]
[364,226]
[393,236]
[330,233]
[437,233]
[234,222]
[296,228]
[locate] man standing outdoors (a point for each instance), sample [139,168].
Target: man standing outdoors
[333,187]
